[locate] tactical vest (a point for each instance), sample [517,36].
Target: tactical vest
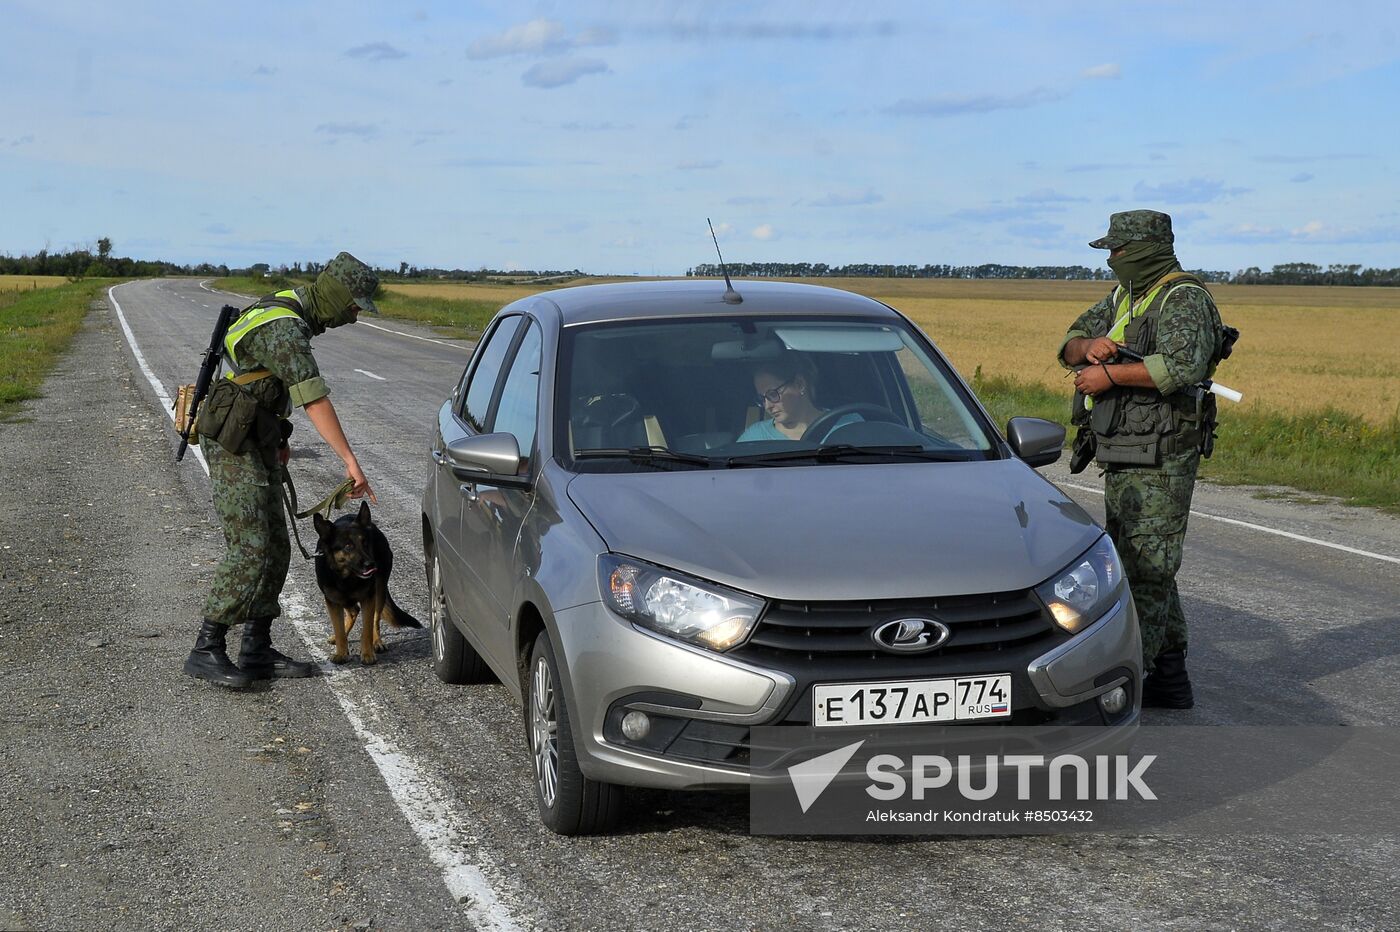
[1138,426]
[247,409]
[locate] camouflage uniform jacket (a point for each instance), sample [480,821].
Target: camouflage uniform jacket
[283,347]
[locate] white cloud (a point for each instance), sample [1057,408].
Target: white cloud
[1310,229]
[537,37]
[1099,72]
[376,51]
[723,229]
[942,105]
[764,232]
[557,73]
[848,198]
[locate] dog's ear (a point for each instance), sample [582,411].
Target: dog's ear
[323,527]
[362,519]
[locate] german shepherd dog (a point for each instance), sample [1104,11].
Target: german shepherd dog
[353,564]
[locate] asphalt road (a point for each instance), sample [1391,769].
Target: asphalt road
[139,798]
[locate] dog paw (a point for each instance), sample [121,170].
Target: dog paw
[380,646]
[368,660]
[339,658]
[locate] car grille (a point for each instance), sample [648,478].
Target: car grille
[977,624]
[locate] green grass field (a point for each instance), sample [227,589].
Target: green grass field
[35,327]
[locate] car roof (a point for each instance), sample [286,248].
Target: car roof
[691,297]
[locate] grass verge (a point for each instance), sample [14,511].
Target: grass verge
[1328,451]
[35,327]
[455,317]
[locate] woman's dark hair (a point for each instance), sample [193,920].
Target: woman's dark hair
[789,366]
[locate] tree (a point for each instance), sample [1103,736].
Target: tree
[403,269]
[104,248]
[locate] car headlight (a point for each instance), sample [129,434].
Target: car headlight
[675,604]
[1078,595]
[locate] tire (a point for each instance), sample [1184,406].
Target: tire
[570,803]
[455,661]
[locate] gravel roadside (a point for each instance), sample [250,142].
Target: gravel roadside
[137,797]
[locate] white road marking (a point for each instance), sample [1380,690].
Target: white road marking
[413,336]
[424,801]
[371,375]
[1267,530]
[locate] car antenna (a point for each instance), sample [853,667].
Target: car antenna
[730,295]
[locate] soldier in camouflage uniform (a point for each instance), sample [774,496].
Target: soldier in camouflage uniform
[1148,430]
[268,350]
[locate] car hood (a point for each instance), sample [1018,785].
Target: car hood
[838,532]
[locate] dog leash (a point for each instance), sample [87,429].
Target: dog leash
[325,506]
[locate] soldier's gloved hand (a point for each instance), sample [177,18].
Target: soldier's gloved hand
[1100,350]
[361,489]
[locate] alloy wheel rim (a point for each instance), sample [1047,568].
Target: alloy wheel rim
[438,612]
[544,732]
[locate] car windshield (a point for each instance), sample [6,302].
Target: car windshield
[693,393]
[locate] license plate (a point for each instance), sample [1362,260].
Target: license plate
[912,702]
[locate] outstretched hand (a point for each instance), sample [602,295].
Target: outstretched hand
[361,489]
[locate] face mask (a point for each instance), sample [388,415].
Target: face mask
[1141,263]
[330,303]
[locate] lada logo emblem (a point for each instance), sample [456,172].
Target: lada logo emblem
[910,635]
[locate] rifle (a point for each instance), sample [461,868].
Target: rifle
[213,356]
[1199,389]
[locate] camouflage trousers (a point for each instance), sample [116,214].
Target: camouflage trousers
[248,500]
[1147,512]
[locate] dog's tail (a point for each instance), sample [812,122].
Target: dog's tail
[397,616]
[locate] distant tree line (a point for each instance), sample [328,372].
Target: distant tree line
[85,263]
[1291,273]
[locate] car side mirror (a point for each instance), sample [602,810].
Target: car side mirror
[1037,441]
[483,455]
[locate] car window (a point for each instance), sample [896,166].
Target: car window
[697,386]
[517,409]
[481,384]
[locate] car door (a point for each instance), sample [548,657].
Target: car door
[463,416]
[493,518]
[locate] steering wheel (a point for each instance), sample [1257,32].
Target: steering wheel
[818,429]
[609,410]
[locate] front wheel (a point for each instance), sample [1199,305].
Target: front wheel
[455,661]
[570,803]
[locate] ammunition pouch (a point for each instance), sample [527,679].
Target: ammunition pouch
[1137,427]
[238,415]
[1082,453]
[185,416]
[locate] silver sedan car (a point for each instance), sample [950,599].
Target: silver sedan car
[662,517]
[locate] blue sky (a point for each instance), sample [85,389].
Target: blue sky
[600,136]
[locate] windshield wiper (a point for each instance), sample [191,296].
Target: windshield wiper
[836,452]
[653,456]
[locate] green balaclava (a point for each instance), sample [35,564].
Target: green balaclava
[328,303]
[1142,262]
[339,293]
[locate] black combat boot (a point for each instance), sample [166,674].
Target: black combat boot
[209,659]
[260,660]
[1168,686]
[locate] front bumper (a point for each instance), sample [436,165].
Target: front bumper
[703,704]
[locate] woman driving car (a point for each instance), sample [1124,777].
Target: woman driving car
[786,389]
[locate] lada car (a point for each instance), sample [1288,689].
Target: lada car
[625,526]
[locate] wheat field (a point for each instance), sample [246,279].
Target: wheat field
[29,282]
[1301,348]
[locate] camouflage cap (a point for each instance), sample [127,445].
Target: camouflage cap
[1130,225]
[356,276]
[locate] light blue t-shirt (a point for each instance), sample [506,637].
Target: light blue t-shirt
[767,430]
